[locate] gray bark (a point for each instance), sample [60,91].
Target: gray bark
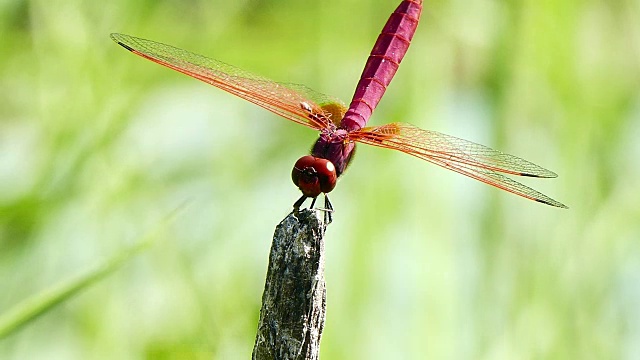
[294,299]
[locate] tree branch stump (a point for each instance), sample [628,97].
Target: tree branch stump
[294,299]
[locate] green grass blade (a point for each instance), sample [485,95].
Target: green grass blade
[39,304]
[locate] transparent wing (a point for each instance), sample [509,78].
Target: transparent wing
[297,103]
[465,157]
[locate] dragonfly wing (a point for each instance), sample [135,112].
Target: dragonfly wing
[296,103]
[465,157]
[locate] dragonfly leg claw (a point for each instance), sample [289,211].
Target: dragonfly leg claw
[327,209]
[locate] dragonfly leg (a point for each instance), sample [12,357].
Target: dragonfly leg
[328,209]
[299,202]
[327,203]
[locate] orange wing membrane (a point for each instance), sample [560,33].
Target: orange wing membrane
[294,102]
[465,157]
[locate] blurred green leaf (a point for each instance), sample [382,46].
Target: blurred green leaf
[30,309]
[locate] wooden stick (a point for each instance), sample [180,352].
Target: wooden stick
[294,299]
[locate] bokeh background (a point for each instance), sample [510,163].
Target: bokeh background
[98,147]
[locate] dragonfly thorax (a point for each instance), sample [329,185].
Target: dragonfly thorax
[336,147]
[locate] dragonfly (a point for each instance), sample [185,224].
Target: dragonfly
[341,127]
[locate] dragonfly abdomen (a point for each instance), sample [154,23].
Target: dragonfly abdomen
[383,62]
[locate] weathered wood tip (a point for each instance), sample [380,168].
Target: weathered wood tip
[294,299]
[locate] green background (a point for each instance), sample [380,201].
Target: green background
[98,147]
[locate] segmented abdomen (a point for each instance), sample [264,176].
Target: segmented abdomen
[383,62]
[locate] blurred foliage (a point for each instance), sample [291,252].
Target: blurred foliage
[98,146]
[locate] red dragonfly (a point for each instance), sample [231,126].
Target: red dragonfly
[340,128]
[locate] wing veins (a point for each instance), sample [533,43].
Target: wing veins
[394,136]
[409,138]
[276,97]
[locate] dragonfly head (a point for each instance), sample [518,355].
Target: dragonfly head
[314,175]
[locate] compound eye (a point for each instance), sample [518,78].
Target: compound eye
[314,176]
[327,174]
[303,164]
